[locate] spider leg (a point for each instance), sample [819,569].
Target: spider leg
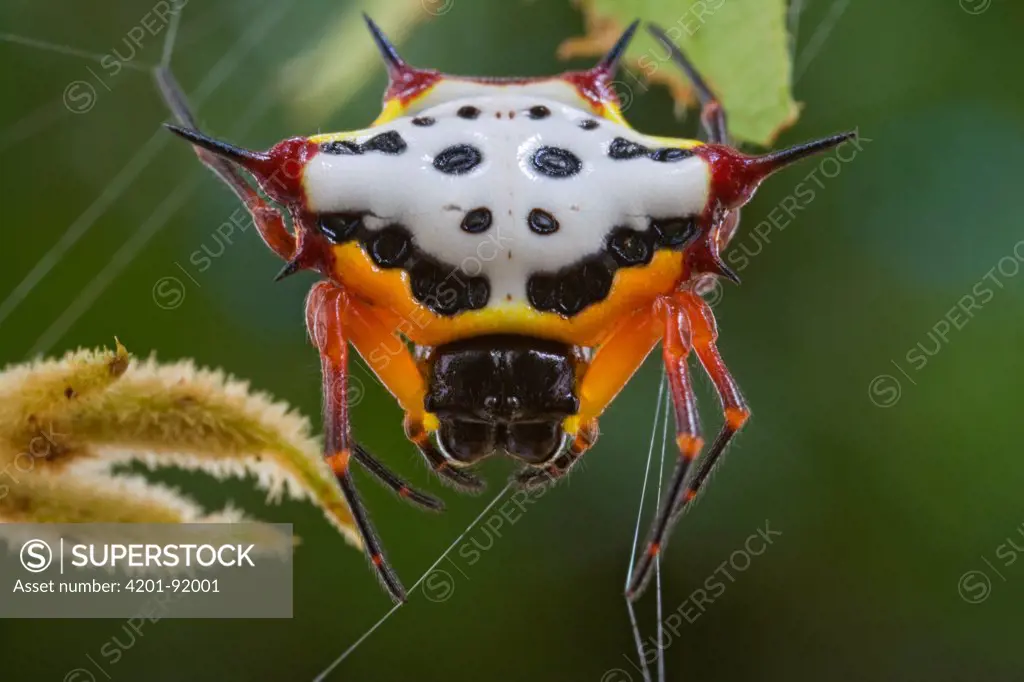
[391,480]
[536,476]
[268,220]
[615,361]
[387,356]
[712,115]
[326,313]
[446,470]
[693,317]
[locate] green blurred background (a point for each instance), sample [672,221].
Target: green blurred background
[890,481]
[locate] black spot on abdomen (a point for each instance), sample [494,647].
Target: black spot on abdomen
[441,287]
[629,247]
[570,290]
[622,149]
[478,292]
[538,112]
[387,143]
[556,162]
[458,159]
[673,233]
[476,221]
[391,246]
[670,154]
[340,227]
[542,222]
[341,147]
[444,289]
[542,290]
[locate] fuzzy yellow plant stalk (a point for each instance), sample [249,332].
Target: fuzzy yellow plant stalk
[65,424]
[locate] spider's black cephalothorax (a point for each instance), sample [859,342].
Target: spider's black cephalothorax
[502,392]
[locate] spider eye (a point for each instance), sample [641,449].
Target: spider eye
[339,227]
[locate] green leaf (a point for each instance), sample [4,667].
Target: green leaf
[739,46]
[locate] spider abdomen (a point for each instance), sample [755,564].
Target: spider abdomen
[530,204]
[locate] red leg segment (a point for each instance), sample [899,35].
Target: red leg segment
[689,323]
[676,347]
[326,310]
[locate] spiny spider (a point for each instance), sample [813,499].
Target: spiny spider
[504,254]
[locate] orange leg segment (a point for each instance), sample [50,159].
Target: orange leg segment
[390,360]
[615,361]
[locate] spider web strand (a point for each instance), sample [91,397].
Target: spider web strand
[220,72]
[66,50]
[355,645]
[819,37]
[657,559]
[630,609]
